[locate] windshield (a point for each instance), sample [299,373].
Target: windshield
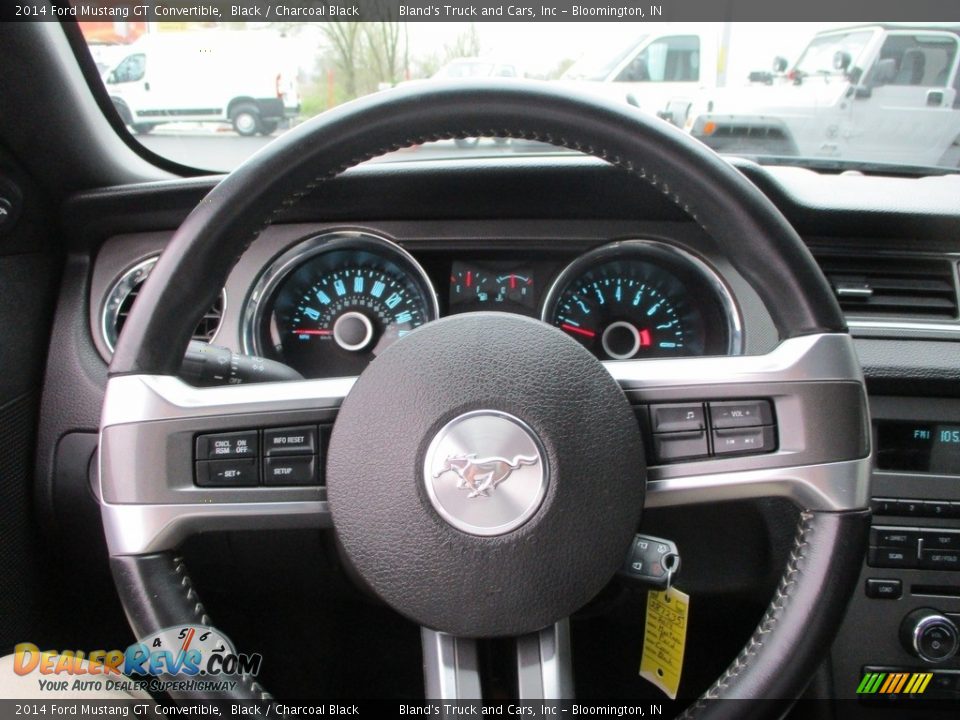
[209,94]
[598,63]
[821,56]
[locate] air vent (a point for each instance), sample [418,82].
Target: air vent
[124,292]
[914,287]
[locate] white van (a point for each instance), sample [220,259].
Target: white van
[663,72]
[205,77]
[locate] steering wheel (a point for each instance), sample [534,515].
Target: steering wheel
[498,385]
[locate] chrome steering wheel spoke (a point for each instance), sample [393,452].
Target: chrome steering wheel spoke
[150,502]
[819,436]
[544,665]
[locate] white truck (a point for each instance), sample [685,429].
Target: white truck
[245,79]
[662,72]
[875,93]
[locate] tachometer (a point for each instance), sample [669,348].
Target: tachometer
[333,303]
[640,299]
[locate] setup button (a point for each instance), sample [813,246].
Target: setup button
[290,471]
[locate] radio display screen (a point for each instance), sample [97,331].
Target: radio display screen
[918,446]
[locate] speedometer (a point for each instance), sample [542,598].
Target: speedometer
[642,299]
[333,303]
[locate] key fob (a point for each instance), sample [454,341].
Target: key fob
[653,562]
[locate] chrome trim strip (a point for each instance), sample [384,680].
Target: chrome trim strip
[450,667]
[828,356]
[637,246]
[281,267]
[145,398]
[140,529]
[545,664]
[953,328]
[827,487]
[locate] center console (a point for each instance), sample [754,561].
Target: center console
[900,640]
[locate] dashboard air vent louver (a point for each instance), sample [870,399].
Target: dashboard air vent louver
[123,293]
[915,287]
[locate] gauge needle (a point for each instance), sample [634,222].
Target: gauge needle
[186,641]
[312,332]
[578,331]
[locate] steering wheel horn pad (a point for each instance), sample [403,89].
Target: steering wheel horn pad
[480,366]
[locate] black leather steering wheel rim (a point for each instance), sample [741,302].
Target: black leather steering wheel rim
[761,245]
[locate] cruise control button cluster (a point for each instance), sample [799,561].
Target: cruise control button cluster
[287,456]
[228,473]
[687,431]
[227,445]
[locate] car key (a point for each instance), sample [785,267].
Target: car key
[651,561]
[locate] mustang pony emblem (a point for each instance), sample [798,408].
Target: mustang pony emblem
[482,476]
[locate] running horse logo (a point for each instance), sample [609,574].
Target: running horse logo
[482,476]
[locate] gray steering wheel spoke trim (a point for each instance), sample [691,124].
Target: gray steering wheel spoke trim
[770,255]
[149,502]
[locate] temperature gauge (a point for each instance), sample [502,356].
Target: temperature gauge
[515,287]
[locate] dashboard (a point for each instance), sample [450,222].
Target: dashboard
[326,301]
[473,237]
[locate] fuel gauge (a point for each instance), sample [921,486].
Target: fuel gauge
[468,284]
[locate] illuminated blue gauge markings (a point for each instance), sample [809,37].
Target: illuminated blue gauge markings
[370,292]
[628,309]
[339,310]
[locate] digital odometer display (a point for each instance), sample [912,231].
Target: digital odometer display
[919,446]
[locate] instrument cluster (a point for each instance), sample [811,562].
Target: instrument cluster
[329,305]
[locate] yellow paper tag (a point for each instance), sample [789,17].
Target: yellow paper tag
[664,639]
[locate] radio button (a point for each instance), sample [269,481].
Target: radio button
[884,589]
[894,537]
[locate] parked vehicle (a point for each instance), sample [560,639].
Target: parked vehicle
[205,77]
[663,72]
[884,92]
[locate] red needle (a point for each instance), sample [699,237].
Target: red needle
[578,331]
[312,332]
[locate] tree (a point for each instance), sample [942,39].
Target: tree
[466,44]
[346,40]
[383,44]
